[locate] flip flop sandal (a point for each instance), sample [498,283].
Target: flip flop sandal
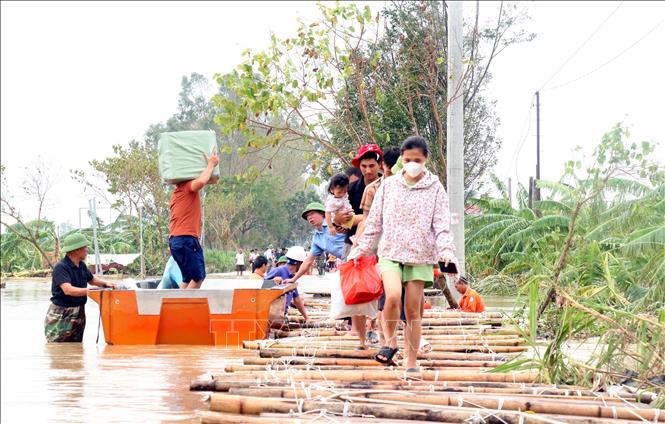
[372,337]
[387,353]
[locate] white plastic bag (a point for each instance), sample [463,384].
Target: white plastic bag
[338,307]
[127,284]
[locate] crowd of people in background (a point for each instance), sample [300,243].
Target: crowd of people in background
[388,204]
[405,221]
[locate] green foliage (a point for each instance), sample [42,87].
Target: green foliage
[344,80]
[219,260]
[596,245]
[300,232]
[250,206]
[19,254]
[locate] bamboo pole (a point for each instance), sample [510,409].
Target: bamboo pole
[297,333]
[433,321]
[365,362]
[369,354]
[382,375]
[256,405]
[427,314]
[346,349]
[484,337]
[469,330]
[212,384]
[278,367]
[437,345]
[539,406]
[212,417]
[288,392]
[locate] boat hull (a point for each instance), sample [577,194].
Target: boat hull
[193,317]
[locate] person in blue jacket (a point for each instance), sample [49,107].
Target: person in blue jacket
[295,257]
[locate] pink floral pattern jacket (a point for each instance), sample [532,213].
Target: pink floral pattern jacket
[412,221]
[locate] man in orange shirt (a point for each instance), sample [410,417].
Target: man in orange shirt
[260,266]
[185,226]
[471,300]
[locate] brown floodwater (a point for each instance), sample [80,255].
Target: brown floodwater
[93,382]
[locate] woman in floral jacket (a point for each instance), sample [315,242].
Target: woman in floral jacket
[410,213]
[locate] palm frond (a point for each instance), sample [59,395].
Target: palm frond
[556,188]
[552,204]
[490,229]
[550,222]
[647,239]
[623,186]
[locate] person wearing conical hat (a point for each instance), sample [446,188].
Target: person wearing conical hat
[65,318]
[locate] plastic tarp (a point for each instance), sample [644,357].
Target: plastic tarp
[123,259]
[181,155]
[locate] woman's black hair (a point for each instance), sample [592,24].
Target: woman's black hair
[354,171]
[415,142]
[391,155]
[260,261]
[338,180]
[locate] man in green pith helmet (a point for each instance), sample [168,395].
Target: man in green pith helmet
[65,319]
[322,241]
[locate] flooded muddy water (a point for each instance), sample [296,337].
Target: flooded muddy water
[94,382]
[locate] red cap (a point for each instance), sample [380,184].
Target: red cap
[367,148]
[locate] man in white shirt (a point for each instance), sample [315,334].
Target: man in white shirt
[252,258]
[240,263]
[269,256]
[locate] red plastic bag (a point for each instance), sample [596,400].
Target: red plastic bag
[360,281]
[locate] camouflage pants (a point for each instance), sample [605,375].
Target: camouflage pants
[63,324]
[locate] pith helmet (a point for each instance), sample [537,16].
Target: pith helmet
[74,241]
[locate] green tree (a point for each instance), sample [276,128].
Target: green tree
[339,83]
[245,206]
[300,232]
[30,238]
[596,245]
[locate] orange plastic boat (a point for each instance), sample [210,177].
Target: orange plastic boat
[220,317]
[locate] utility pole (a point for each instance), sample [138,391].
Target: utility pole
[536,190]
[93,215]
[203,217]
[455,130]
[141,241]
[531,185]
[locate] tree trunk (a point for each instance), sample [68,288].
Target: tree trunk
[561,263]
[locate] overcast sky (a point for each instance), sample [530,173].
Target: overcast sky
[79,77]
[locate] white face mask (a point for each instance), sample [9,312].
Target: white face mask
[414,169]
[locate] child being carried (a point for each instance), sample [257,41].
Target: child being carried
[338,202]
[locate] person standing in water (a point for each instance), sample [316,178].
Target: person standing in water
[65,318]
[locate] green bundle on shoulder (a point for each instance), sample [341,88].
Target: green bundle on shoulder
[182,155]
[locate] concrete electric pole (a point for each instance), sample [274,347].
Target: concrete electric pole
[536,190]
[93,216]
[455,133]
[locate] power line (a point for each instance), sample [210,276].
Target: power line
[580,47]
[609,61]
[521,144]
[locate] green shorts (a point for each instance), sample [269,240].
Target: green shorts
[420,272]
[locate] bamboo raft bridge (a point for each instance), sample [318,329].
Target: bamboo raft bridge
[312,372]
